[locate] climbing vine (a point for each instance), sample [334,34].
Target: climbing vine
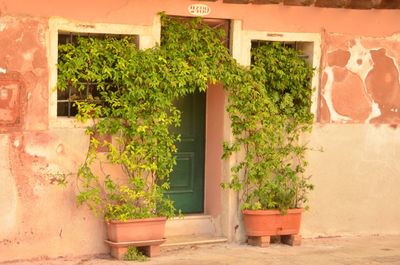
[268,119]
[135,89]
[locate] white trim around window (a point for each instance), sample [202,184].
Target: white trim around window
[149,36]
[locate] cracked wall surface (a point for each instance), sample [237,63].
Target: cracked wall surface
[360,80]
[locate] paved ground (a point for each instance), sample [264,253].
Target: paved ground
[372,250]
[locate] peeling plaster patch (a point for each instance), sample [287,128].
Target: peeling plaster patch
[3,70]
[60,149]
[8,194]
[335,117]
[10,101]
[376,61]
[375,112]
[383,79]
[349,96]
[325,116]
[360,61]
[20,37]
[39,145]
[383,84]
[36,151]
[338,58]
[396,65]
[394,37]
[28,56]
[16,143]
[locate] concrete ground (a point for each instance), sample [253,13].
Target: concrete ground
[370,250]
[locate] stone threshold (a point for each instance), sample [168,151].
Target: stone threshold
[190,240]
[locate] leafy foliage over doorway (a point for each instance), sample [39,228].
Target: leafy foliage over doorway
[268,105]
[268,119]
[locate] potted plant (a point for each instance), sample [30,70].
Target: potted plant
[115,89]
[267,125]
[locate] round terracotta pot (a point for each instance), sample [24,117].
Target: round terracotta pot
[136,229]
[272,222]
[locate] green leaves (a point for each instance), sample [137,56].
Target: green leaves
[138,115]
[133,254]
[269,106]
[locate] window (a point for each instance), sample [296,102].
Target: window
[61,110]
[66,98]
[308,43]
[306,48]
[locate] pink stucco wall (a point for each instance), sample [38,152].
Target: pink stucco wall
[359,85]
[38,218]
[213,152]
[255,17]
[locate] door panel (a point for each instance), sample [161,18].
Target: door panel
[187,178]
[183,175]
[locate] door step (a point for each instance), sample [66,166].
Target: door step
[178,241]
[191,230]
[190,225]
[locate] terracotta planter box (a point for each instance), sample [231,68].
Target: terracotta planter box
[271,222]
[146,234]
[136,229]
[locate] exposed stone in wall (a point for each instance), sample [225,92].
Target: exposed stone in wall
[360,81]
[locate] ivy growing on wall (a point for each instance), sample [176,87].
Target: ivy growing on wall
[268,118]
[269,106]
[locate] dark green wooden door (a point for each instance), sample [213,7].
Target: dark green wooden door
[187,179]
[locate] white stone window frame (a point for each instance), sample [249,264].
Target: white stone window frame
[148,37]
[241,51]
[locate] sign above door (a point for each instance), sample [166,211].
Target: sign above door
[199,10]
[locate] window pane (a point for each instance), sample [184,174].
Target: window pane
[65,99]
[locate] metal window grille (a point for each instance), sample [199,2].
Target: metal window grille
[297,45]
[66,99]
